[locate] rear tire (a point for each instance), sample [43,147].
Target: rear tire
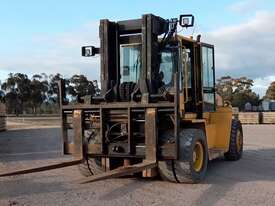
[236,142]
[193,158]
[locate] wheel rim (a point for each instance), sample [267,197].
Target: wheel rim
[239,141]
[198,157]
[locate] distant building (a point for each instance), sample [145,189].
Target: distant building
[248,107]
[254,108]
[268,105]
[265,105]
[272,105]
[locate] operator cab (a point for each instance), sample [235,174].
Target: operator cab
[169,57]
[130,65]
[129,71]
[178,55]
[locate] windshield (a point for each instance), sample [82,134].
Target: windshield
[130,63]
[168,66]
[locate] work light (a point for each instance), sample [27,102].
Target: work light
[88,51]
[187,20]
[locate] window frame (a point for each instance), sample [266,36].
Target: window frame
[174,54]
[121,58]
[208,90]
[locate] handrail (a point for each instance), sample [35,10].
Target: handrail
[184,61]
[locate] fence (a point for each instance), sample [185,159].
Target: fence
[268,117]
[249,117]
[256,117]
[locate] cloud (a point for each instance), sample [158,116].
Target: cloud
[261,84]
[246,49]
[56,53]
[244,6]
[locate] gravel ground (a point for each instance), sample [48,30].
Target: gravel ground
[250,181]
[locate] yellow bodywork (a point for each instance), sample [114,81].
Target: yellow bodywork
[217,126]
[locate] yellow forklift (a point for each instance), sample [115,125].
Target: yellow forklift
[157,111]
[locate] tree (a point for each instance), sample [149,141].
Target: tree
[270,92]
[80,86]
[23,89]
[12,105]
[224,88]
[241,98]
[53,96]
[17,88]
[38,91]
[2,96]
[41,92]
[237,91]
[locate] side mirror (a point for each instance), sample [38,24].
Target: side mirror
[187,20]
[89,51]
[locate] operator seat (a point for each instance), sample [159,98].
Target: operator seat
[125,91]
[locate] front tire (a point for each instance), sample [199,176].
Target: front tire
[193,158]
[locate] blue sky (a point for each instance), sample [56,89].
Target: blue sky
[45,36]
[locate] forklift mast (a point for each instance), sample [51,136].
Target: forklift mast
[144,34]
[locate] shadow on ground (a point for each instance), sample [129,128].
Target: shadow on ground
[30,144]
[223,176]
[257,164]
[29,186]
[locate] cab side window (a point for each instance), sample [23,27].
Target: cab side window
[208,76]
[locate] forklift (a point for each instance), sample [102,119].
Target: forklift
[156,113]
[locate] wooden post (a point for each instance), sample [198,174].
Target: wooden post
[151,134]
[78,134]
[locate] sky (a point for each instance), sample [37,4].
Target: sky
[46,36]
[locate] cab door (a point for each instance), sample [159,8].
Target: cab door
[218,119]
[208,77]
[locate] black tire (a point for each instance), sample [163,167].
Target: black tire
[182,170]
[235,152]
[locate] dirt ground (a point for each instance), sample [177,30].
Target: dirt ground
[250,181]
